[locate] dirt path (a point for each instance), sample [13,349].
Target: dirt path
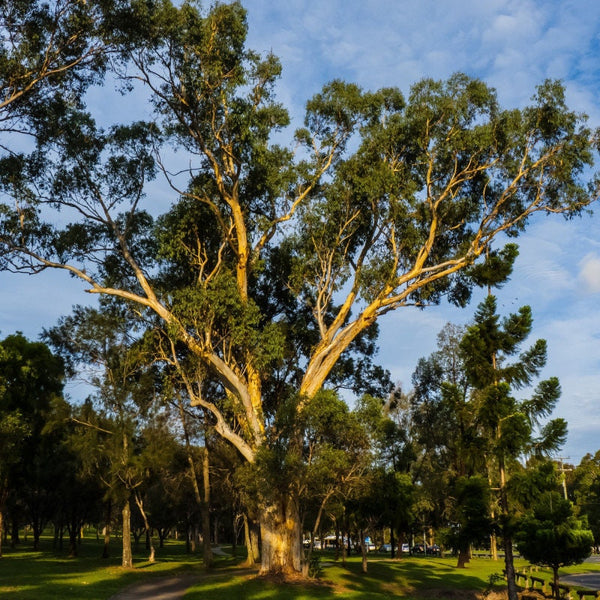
[169,588]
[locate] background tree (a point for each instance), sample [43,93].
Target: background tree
[472,523]
[586,491]
[31,378]
[552,535]
[509,425]
[126,394]
[389,202]
[336,457]
[451,455]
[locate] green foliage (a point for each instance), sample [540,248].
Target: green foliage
[487,347]
[586,491]
[473,524]
[552,535]
[262,285]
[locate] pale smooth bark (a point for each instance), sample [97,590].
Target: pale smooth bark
[205,510]
[127,560]
[281,536]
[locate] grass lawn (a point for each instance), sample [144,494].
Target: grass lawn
[407,578]
[45,575]
[28,575]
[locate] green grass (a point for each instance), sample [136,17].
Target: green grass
[406,578]
[28,575]
[48,575]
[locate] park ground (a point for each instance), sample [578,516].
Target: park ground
[45,575]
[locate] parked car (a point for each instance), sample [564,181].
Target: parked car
[433,550]
[418,549]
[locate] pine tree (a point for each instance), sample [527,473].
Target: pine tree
[508,424]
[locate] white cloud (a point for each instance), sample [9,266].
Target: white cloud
[589,272]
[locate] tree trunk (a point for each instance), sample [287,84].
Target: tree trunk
[317,527]
[392,542]
[1,531]
[255,540]
[106,531]
[140,505]
[493,545]
[250,562]
[14,533]
[509,563]
[556,581]
[463,558]
[510,568]
[127,561]
[205,509]
[363,550]
[281,536]
[236,531]
[73,541]
[37,532]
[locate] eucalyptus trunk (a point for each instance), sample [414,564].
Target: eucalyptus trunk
[127,561]
[281,537]
[250,559]
[205,511]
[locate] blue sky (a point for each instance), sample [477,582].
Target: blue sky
[513,46]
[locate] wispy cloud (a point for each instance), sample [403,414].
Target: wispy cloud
[589,272]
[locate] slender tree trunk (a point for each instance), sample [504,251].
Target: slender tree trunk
[14,533]
[363,550]
[250,562]
[281,535]
[316,528]
[106,532]
[215,530]
[55,537]
[73,540]
[234,528]
[255,540]
[195,533]
[205,508]
[36,535]
[493,545]
[188,534]
[392,542]
[509,563]
[127,561]
[140,505]
[556,582]
[1,531]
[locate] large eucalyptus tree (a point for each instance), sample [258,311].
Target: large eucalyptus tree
[274,262]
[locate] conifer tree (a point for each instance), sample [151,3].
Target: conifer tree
[496,368]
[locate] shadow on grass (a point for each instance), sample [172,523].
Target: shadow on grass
[408,578]
[27,575]
[45,575]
